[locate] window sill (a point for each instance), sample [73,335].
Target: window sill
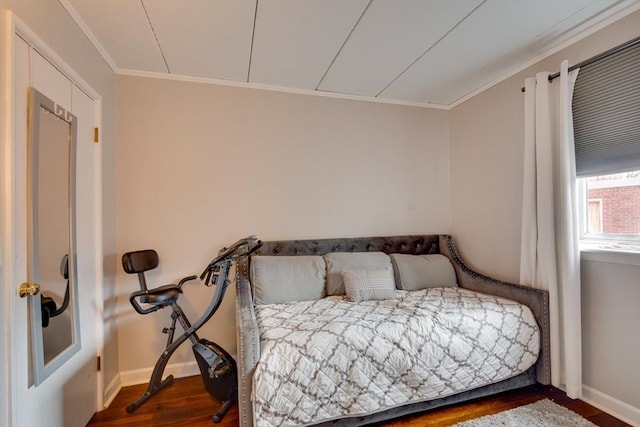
[610,252]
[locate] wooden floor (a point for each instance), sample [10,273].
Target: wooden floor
[186,403]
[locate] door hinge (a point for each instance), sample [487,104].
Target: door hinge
[95,135]
[98,363]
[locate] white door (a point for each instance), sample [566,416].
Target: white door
[69,395]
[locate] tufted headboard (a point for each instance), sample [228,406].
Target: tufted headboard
[414,245]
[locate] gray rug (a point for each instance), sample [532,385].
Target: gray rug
[543,413]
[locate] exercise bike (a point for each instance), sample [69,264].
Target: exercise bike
[217,368]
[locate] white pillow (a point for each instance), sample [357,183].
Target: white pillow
[278,279]
[364,285]
[337,262]
[416,272]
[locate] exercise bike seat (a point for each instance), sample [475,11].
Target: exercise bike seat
[137,262]
[161,294]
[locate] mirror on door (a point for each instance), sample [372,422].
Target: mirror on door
[51,169]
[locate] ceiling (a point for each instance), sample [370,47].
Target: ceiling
[418,52]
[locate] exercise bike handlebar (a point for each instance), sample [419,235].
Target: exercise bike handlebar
[136,305]
[239,250]
[186,279]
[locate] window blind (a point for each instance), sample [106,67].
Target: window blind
[606,114]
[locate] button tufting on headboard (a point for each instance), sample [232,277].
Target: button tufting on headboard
[420,244]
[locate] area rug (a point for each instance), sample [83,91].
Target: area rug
[543,413]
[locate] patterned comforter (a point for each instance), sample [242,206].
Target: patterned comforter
[332,358]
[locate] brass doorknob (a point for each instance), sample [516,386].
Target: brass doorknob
[30,289]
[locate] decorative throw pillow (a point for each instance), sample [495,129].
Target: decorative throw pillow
[277,279]
[364,285]
[337,262]
[423,271]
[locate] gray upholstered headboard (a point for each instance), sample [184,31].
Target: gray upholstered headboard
[415,245]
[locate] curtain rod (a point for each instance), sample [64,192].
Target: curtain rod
[597,58]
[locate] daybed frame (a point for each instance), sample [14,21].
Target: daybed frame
[249,337]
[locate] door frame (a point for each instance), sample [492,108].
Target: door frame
[15,28]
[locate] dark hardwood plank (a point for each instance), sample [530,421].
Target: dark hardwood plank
[186,403]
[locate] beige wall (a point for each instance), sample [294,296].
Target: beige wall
[486,143]
[52,23]
[610,321]
[200,166]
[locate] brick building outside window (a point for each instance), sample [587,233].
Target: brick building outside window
[614,204]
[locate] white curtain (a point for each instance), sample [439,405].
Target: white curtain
[550,257]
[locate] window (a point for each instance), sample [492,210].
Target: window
[606,118]
[611,205]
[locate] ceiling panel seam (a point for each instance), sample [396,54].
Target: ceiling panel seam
[343,44]
[155,36]
[253,35]
[428,49]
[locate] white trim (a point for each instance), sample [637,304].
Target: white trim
[621,410]
[99,263]
[98,236]
[141,376]
[613,183]
[260,86]
[6,232]
[111,391]
[609,256]
[87,32]
[623,11]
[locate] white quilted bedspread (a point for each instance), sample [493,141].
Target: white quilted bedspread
[332,358]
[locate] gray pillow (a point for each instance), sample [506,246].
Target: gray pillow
[337,262]
[278,279]
[415,272]
[364,285]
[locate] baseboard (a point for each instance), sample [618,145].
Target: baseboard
[141,376]
[611,405]
[112,390]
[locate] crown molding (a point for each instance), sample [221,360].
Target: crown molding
[271,88]
[616,14]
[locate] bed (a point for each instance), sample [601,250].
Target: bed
[327,360]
